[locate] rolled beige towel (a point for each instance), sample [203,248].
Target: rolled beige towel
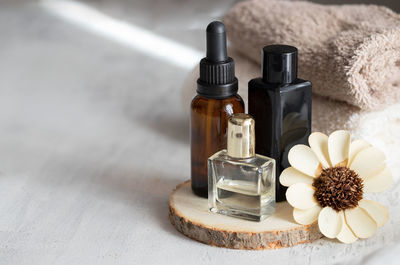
[350,53]
[381,127]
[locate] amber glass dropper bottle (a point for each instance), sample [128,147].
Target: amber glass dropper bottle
[216,101]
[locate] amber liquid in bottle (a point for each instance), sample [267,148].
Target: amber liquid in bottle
[209,122]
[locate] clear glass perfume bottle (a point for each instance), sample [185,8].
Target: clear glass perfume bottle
[240,182]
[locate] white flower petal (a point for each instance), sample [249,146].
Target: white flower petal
[308,216]
[319,144]
[379,182]
[301,196]
[368,162]
[376,211]
[359,221]
[329,222]
[291,176]
[338,146]
[356,147]
[302,158]
[346,235]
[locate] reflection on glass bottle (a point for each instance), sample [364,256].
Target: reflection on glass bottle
[241,183]
[294,127]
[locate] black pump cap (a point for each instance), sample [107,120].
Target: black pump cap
[279,64]
[217,70]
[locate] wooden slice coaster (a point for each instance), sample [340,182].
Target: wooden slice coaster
[190,216]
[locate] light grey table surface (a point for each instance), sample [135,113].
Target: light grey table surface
[93,137]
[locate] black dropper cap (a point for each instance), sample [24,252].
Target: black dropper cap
[279,64]
[217,70]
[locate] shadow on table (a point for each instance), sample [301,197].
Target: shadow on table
[144,190]
[173,128]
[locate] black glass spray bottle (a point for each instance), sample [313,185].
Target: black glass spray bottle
[281,106]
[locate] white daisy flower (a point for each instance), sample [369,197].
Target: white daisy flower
[327,183]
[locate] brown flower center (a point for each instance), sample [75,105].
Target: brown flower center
[339,188]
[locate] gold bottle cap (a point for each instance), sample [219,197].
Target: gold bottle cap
[241,139]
